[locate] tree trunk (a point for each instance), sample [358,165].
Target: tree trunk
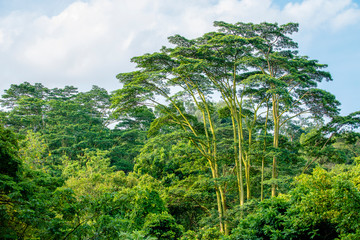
[275,144]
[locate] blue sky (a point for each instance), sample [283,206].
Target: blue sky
[49,8]
[85,43]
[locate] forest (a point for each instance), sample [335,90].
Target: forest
[225,136]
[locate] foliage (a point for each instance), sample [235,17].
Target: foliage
[160,159]
[324,205]
[68,122]
[162,226]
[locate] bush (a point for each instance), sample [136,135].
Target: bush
[162,226]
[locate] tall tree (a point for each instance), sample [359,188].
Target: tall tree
[25,107]
[159,73]
[288,80]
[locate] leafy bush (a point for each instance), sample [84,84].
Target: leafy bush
[162,226]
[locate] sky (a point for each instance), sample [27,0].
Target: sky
[88,42]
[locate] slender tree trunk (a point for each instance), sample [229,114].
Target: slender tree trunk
[275,145]
[218,197]
[248,184]
[262,179]
[240,155]
[221,217]
[241,182]
[264,151]
[224,208]
[237,165]
[237,126]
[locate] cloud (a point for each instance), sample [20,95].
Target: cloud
[90,42]
[347,17]
[328,14]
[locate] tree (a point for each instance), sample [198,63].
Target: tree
[155,79]
[289,79]
[25,192]
[333,142]
[130,135]
[10,166]
[162,226]
[25,105]
[254,65]
[34,151]
[10,162]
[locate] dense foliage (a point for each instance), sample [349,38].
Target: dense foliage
[160,159]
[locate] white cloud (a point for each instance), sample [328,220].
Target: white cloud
[347,17]
[326,14]
[90,42]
